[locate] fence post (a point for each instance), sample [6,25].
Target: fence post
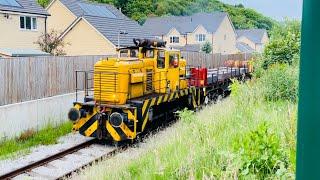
[308,142]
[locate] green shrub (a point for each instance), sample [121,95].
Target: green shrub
[186,115]
[280,82]
[206,47]
[284,45]
[261,153]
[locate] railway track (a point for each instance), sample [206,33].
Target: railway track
[64,163]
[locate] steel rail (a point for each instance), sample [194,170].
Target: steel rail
[46,160]
[99,159]
[119,149]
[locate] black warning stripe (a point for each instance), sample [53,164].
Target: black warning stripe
[172,96]
[83,128]
[146,110]
[148,106]
[160,100]
[94,134]
[119,131]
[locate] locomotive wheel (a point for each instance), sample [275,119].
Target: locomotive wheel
[218,98]
[206,101]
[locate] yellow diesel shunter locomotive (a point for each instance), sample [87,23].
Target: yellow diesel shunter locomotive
[144,86]
[146,83]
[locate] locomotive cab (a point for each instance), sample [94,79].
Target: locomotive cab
[138,71]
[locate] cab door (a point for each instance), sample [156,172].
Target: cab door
[160,74]
[173,75]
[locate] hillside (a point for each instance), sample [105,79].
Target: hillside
[139,10]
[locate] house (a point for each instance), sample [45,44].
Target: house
[254,39]
[92,28]
[244,48]
[192,31]
[21,23]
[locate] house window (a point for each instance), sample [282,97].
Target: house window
[174,39]
[28,23]
[34,23]
[22,24]
[201,37]
[225,37]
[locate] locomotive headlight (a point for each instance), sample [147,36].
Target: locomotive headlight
[116,119]
[74,114]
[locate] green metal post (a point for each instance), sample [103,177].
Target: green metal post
[308,144]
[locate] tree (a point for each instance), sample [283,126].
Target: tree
[239,5]
[52,43]
[284,46]
[206,47]
[139,10]
[43,3]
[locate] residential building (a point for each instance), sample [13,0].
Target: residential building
[244,48]
[92,28]
[190,32]
[253,39]
[22,22]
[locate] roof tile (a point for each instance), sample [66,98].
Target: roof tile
[185,24]
[255,35]
[27,6]
[109,26]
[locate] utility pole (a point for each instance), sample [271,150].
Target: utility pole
[308,142]
[120,33]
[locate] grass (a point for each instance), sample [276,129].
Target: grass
[208,144]
[31,138]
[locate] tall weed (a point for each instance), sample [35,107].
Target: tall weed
[261,153]
[280,82]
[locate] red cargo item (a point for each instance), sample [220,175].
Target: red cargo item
[198,77]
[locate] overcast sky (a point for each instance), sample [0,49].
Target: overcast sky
[277,9]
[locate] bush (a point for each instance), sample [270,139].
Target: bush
[280,82]
[261,153]
[186,115]
[206,47]
[52,43]
[284,45]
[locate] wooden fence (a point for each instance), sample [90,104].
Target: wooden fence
[212,60]
[23,79]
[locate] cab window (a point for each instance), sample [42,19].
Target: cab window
[124,53]
[173,60]
[134,53]
[149,54]
[161,60]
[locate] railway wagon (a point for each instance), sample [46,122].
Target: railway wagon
[144,86]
